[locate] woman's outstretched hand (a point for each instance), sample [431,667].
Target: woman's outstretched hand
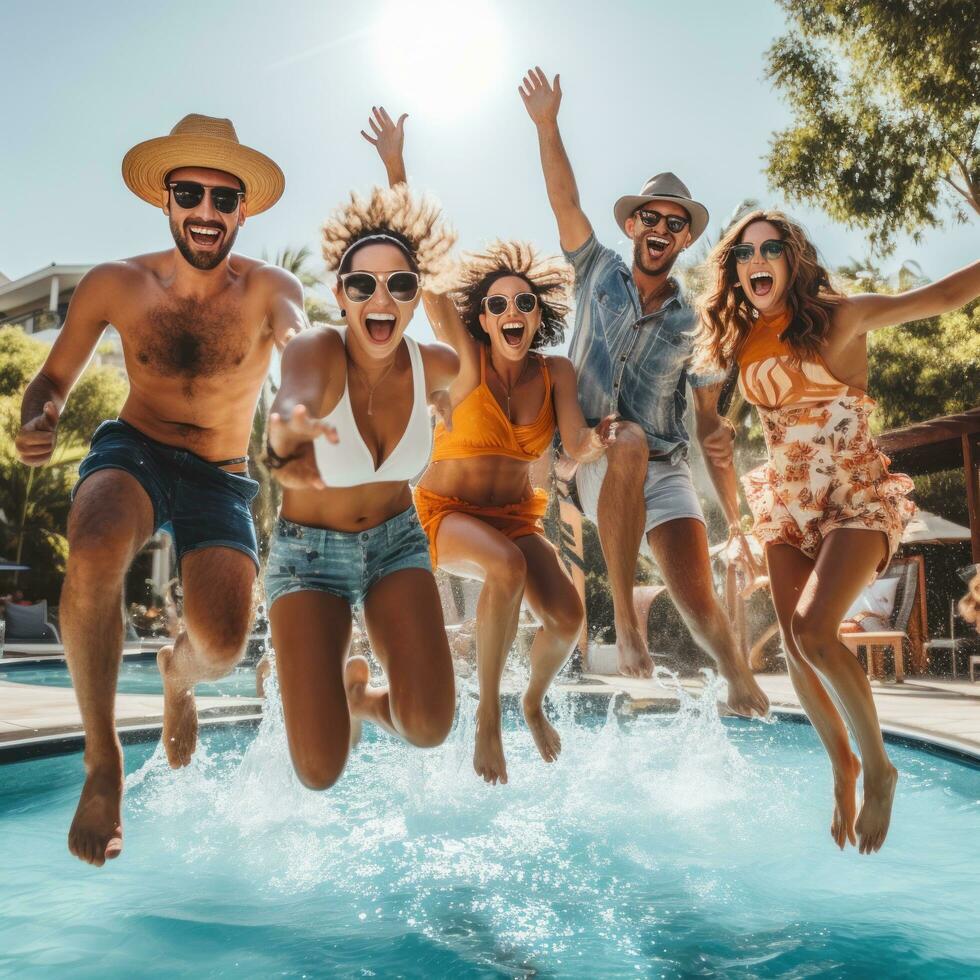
[388,138]
[541,99]
[291,439]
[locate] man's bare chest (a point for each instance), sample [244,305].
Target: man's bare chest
[191,340]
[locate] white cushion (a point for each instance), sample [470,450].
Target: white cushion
[872,609]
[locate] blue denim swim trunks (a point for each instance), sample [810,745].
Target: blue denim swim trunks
[344,563]
[199,504]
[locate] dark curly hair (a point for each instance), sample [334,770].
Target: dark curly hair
[550,279]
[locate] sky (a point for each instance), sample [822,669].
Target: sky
[650,85]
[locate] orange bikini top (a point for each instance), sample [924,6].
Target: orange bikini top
[480,427]
[773,376]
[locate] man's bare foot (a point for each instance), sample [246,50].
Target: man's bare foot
[745,697]
[357,676]
[845,801]
[96,832]
[876,810]
[546,738]
[179,713]
[634,657]
[488,755]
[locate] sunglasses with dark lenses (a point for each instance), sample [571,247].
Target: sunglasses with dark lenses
[675,223]
[498,303]
[772,248]
[189,194]
[359,287]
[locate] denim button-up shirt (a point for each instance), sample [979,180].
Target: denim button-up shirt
[628,362]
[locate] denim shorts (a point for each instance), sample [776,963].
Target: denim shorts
[344,563]
[199,504]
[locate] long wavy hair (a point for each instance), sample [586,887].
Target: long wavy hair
[550,279]
[414,222]
[727,315]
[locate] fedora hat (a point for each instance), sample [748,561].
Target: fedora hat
[202,141]
[664,187]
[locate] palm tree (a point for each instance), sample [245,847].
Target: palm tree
[297,261]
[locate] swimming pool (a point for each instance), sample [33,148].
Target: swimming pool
[662,846]
[136,676]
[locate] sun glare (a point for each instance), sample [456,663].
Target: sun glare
[440,56]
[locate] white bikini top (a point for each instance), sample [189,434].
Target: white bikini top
[349,462]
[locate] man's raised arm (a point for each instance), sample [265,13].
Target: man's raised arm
[45,396]
[542,100]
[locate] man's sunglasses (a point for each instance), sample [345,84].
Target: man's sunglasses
[675,223]
[359,287]
[772,248]
[189,194]
[498,303]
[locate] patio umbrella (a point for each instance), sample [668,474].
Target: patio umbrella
[12,566]
[927,528]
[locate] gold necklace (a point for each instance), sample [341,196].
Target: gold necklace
[508,391]
[372,388]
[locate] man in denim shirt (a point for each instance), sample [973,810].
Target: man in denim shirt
[632,348]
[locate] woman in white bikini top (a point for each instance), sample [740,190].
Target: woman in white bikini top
[349,427]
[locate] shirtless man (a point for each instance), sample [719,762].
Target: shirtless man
[198,325]
[633,347]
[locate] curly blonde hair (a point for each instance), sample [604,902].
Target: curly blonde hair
[549,278]
[727,315]
[415,222]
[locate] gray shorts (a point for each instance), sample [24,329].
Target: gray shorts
[668,492]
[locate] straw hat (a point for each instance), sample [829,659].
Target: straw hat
[663,187]
[202,141]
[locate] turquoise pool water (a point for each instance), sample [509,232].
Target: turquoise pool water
[135,677]
[658,846]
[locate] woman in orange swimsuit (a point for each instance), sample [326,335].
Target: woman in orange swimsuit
[825,505]
[475,501]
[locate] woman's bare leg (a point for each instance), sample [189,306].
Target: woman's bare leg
[471,547]
[403,616]
[554,601]
[311,635]
[789,571]
[847,559]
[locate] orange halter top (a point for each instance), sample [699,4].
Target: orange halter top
[480,427]
[772,375]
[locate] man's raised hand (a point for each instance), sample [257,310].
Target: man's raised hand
[389,136]
[541,99]
[36,439]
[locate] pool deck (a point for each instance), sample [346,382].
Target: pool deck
[942,710]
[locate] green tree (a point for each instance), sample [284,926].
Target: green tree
[885,99]
[34,503]
[297,261]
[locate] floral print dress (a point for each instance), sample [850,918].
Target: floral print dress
[824,469]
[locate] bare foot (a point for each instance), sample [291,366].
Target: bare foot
[262,670]
[745,697]
[179,713]
[96,832]
[634,657]
[357,675]
[876,810]
[845,801]
[488,755]
[546,738]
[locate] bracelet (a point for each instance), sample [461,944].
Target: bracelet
[273,460]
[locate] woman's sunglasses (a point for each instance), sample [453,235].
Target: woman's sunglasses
[359,287]
[675,223]
[498,303]
[189,194]
[770,249]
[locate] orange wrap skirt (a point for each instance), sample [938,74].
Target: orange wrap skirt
[513,520]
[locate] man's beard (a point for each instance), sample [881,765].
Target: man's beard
[639,255]
[202,260]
